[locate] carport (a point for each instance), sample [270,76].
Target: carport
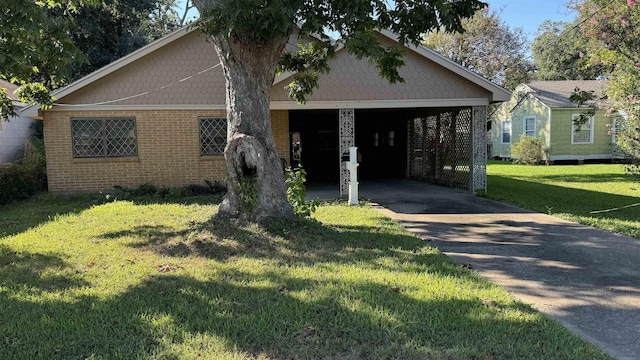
[431,127]
[443,145]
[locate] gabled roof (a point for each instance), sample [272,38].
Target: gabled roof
[497,92]
[555,94]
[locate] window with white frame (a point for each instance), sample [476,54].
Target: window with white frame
[505,131]
[104,137]
[582,134]
[529,125]
[213,135]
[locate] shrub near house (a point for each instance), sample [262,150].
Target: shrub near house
[27,175]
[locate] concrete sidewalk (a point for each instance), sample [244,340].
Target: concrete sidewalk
[586,278]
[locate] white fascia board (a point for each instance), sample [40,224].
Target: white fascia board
[137,107]
[292,105]
[499,93]
[378,104]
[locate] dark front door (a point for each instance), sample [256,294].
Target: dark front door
[381,138]
[314,143]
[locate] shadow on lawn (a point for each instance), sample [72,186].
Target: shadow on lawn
[23,215]
[18,269]
[591,178]
[300,242]
[285,317]
[545,198]
[166,312]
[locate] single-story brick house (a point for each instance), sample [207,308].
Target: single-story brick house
[542,109]
[158,116]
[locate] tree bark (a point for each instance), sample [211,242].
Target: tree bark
[255,182]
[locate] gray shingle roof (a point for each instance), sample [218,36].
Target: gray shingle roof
[555,94]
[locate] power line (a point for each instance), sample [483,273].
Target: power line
[143,93]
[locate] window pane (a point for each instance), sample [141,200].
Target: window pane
[506,131]
[530,126]
[582,136]
[87,137]
[213,136]
[121,137]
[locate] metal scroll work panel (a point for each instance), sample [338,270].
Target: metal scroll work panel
[479,148]
[440,147]
[347,139]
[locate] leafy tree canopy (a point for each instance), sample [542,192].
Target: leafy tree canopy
[560,53]
[613,32]
[251,39]
[488,47]
[30,37]
[48,44]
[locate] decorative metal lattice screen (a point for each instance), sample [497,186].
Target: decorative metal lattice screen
[440,148]
[213,136]
[104,137]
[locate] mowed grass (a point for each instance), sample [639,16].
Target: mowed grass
[571,192]
[134,280]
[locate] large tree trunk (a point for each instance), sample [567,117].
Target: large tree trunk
[256,186]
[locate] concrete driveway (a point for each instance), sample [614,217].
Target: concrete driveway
[586,278]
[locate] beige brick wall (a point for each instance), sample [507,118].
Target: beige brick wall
[168,151]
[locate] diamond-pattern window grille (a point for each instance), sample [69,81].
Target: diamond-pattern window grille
[107,137]
[440,147]
[213,135]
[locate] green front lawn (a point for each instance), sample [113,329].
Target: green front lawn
[571,192]
[134,280]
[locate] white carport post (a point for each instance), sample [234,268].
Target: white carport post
[346,128]
[478,176]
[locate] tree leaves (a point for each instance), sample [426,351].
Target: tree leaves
[354,21]
[488,47]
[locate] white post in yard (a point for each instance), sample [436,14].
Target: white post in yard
[352,165]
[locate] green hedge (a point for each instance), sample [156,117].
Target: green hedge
[26,176]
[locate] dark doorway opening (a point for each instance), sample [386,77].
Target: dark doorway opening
[314,143]
[381,138]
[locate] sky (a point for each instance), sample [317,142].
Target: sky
[529,15]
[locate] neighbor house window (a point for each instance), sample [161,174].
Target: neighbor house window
[505,130]
[104,137]
[213,135]
[582,134]
[392,138]
[617,127]
[530,125]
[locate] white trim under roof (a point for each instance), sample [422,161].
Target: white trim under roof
[378,104]
[292,105]
[137,107]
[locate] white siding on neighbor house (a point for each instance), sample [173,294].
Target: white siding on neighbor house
[13,134]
